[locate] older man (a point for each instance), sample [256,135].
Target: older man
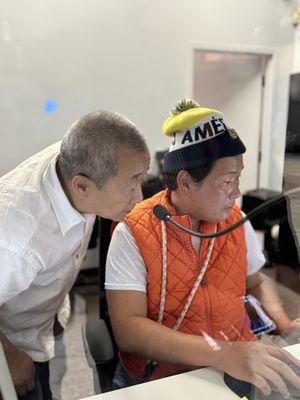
[47,210]
[180,301]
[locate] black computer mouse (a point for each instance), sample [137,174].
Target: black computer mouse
[242,388]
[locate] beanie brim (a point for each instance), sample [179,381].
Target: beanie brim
[198,155]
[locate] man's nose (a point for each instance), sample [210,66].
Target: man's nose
[236,193]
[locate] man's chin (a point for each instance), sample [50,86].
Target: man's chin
[224,214]
[121,216]
[114,217]
[218,217]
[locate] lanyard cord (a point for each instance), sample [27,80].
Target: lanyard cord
[164,279]
[152,364]
[164,273]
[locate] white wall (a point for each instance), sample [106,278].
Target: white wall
[132,56]
[232,83]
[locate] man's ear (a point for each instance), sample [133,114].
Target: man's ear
[81,185]
[184,181]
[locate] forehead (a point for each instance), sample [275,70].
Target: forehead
[228,165]
[130,161]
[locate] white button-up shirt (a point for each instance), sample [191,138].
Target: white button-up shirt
[43,240]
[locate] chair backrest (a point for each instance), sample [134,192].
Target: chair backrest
[99,346]
[98,333]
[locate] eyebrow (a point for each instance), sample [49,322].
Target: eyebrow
[140,173]
[233,172]
[137,175]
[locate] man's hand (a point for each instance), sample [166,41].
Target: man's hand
[22,369]
[259,364]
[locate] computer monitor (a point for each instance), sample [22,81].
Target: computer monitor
[291,173]
[293,205]
[293,124]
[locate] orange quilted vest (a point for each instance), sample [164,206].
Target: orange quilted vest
[217,307]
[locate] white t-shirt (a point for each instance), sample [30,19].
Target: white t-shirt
[43,240]
[125,268]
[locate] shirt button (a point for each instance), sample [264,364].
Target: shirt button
[76,256]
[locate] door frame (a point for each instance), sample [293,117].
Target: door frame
[266,113]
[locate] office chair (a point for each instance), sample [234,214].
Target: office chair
[98,333]
[282,249]
[99,343]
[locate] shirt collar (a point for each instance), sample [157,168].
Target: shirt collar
[65,213]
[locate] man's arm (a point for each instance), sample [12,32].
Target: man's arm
[21,366]
[135,333]
[17,274]
[264,290]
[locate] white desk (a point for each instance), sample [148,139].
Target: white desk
[204,384]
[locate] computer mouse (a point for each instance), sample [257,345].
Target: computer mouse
[242,388]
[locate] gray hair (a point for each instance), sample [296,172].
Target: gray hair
[89,147]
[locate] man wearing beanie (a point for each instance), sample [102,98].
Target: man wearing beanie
[176,302]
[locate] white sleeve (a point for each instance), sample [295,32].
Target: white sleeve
[255,257]
[125,268]
[17,273]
